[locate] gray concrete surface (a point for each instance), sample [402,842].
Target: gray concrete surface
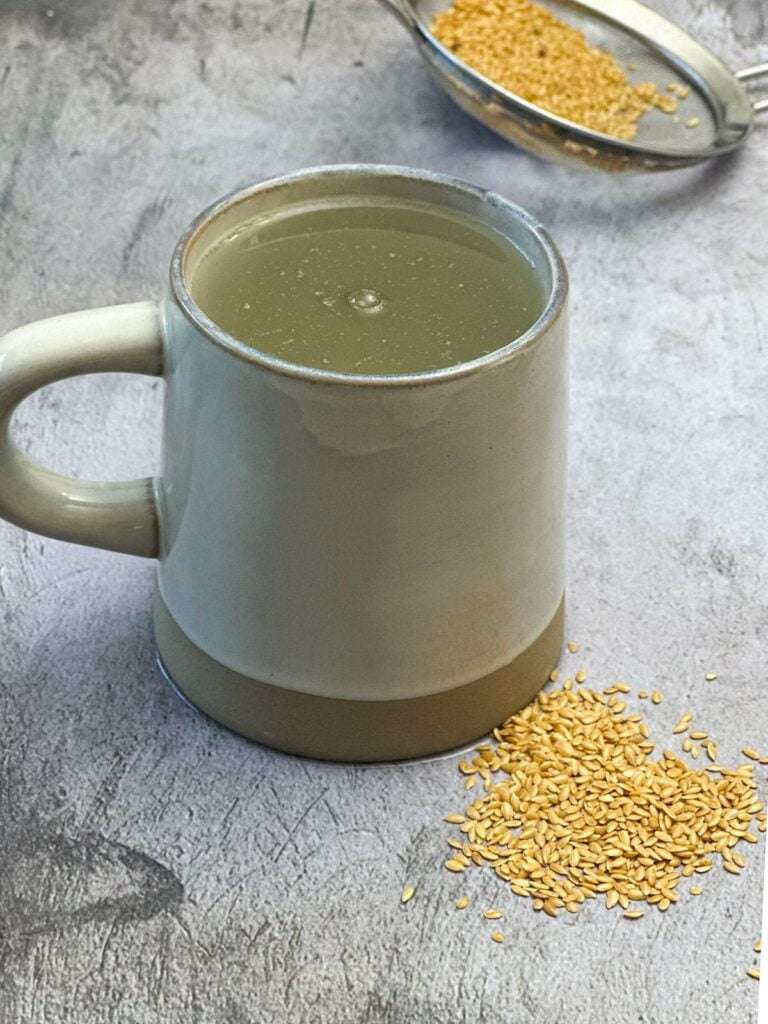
[155,868]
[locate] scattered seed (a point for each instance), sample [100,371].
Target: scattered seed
[492,915]
[711,749]
[687,745]
[454,865]
[751,753]
[693,122]
[711,677]
[633,915]
[657,697]
[462,903]
[497,936]
[553,675]
[454,819]
[699,735]
[683,723]
[581,675]
[758,946]
[696,890]
[407,893]
[733,868]
[754,972]
[642,694]
[573,647]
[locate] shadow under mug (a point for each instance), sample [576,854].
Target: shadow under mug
[349,567]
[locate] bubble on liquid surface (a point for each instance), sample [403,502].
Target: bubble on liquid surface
[365,300]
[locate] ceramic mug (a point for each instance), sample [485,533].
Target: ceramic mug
[349,567]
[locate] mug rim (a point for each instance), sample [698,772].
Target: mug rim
[553,306]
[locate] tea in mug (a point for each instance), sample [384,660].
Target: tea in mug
[369,286]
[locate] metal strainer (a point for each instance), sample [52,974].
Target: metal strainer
[650,46]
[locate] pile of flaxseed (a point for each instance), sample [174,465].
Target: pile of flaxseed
[525,49]
[575,807]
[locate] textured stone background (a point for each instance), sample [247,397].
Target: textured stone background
[155,868]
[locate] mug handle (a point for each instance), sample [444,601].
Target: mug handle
[118,516]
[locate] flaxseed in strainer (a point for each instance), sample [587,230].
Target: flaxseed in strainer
[718,103]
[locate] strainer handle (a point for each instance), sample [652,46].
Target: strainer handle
[757,71]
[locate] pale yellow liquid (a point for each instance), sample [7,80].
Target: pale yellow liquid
[369,287]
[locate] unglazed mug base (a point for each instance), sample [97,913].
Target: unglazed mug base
[332,729]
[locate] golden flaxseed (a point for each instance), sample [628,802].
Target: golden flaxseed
[525,49]
[574,647]
[455,865]
[497,936]
[407,894]
[492,914]
[579,809]
[754,972]
[462,903]
[711,677]
[752,754]
[657,697]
